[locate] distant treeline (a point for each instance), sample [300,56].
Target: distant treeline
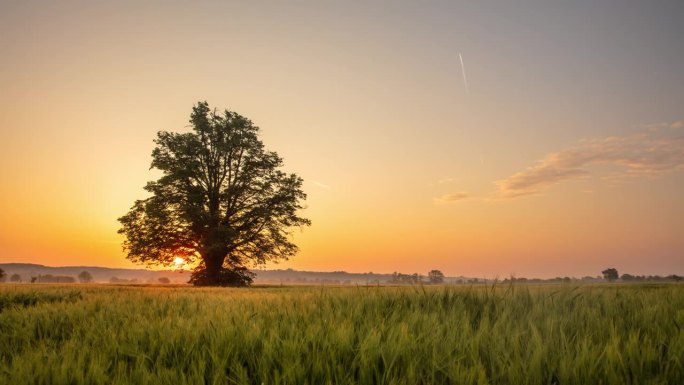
[290,276]
[650,278]
[623,278]
[49,278]
[134,281]
[410,279]
[84,277]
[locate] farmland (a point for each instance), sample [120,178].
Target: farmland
[502,334]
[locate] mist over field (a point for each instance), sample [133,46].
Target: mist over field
[288,276]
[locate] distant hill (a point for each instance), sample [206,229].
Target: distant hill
[280,276]
[99,274]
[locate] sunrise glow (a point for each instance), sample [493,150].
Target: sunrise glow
[481,140]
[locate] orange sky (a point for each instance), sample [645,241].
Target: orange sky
[564,154]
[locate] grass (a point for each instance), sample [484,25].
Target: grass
[555,334]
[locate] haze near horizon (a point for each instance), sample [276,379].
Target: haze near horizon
[481,139]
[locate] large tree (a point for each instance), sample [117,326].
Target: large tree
[85,277]
[436,276]
[611,274]
[222,201]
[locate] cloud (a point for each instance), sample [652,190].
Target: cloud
[449,198]
[657,150]
[319,184]
[666,125]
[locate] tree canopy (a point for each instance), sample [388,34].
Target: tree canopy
[85,277]
[222,201]
[611,274]
[436,276]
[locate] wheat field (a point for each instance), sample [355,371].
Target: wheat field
[515,334]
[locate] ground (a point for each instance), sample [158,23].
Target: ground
[565,334]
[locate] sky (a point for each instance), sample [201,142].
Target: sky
[486,139]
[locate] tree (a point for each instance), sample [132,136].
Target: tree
[2,275]
[222,202]
[164,280]
[15,278]
[610,274]
[85,277]
[435,277]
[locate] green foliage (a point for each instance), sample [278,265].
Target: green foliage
[222,200]
[517,334]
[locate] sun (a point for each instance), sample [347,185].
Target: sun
[178,261]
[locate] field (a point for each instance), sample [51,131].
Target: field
[553,334]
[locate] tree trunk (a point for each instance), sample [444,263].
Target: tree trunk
[213,263]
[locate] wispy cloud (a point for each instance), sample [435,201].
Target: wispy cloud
[449,198]
[320,184]
[657,150]
[666,126]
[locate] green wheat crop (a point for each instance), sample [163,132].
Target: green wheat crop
[76,334]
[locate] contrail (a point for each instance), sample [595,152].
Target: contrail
[465,80]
